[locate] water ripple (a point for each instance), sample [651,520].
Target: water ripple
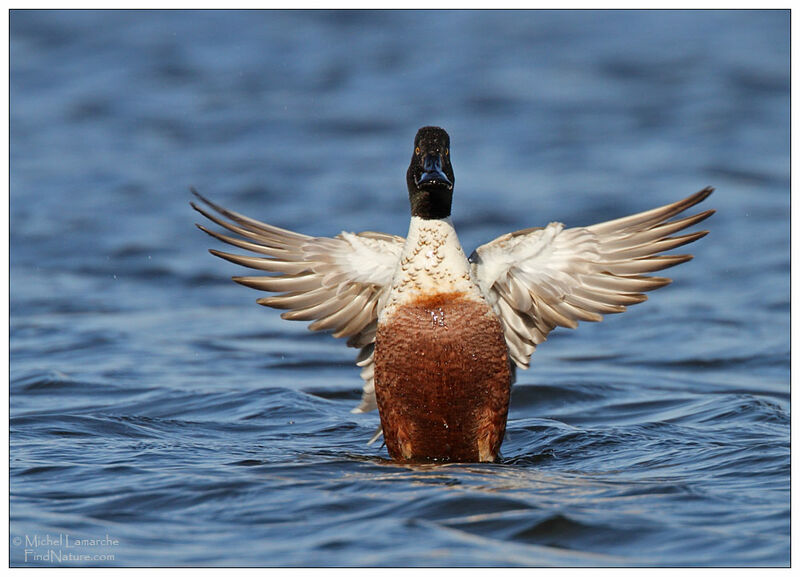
[151,400]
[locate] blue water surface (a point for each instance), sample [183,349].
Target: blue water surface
[156,409]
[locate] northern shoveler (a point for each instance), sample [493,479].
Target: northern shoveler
[440,335]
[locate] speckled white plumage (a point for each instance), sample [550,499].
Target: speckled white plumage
[431,262]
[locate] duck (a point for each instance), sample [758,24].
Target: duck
[440,335]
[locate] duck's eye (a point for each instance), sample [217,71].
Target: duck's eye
[416,151]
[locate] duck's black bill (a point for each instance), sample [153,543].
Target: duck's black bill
[433,176]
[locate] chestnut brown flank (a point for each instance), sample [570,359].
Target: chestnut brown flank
[442,380]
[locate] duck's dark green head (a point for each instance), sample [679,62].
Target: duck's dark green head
[430,175]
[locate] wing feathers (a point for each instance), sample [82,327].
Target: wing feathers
[655,246]
[629,284]
[611,297]
[338,283]
[267,264]
[351,302]
[553,314]
[649,264]
[240,243]
[660,231]
[264,239]
[357,322]
[538,279]
[300,282]
[648,218]
[252,224]
[317,311]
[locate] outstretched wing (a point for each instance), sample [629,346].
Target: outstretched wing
[339,283]
[537,279]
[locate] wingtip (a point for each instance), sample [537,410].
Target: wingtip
[206,230]
[703,194]
[213,251]
[666,261]
[698,196]
[202,199]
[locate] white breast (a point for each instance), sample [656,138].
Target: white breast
[432,262]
